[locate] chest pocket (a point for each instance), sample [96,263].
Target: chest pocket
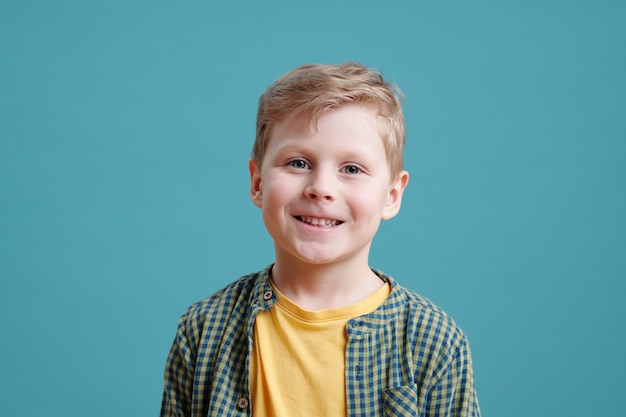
[401,401]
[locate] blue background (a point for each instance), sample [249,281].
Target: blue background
[125,131]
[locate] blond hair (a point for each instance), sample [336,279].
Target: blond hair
[310,90]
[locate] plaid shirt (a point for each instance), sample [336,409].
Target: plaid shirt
[406,358]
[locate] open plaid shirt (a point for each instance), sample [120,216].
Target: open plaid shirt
[406,358]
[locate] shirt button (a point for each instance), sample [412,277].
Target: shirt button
[268,295]
[243,403]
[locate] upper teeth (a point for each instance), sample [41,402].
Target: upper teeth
[319,222]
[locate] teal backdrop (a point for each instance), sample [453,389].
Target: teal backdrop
[125,130]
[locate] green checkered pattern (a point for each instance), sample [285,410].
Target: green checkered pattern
[407,358]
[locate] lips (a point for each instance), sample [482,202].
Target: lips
[318,221]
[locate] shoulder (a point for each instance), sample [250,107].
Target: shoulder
[428,336]
[228,304]
[424,321]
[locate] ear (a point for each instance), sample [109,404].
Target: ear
[256,189]
[394,199]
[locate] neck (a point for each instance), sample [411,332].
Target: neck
[319,287]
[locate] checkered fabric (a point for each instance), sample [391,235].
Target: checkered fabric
[407,358]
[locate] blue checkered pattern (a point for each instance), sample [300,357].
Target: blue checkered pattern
[407,358]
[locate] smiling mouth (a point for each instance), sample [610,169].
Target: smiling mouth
[317,221]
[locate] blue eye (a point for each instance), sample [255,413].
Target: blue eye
[351,169]
[299,164]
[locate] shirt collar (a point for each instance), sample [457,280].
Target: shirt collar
[360,326]
[263,298]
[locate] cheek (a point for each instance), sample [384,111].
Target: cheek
[371,203]
[362,205]
[276,195]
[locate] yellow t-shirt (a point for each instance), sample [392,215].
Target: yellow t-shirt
[298,364]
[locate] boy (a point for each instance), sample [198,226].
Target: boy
[320,333]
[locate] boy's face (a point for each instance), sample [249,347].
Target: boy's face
[324,191]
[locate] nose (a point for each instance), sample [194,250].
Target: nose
[320,186]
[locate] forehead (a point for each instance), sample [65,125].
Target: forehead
[355,120]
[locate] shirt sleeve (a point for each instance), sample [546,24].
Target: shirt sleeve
[179,371]
[454,395]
